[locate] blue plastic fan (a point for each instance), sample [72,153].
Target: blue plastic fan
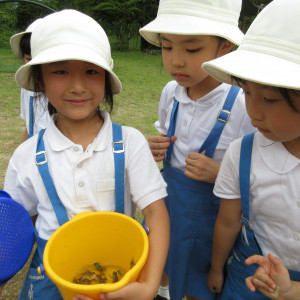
[16,237]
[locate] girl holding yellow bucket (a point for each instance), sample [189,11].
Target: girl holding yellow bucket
[82,161]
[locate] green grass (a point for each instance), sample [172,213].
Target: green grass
[142,77]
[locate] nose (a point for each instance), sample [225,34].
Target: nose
[177,59]
[77,83]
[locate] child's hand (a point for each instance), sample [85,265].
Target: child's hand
[271,277]
[215,281]
[132,291]
[202,168]
[159,145]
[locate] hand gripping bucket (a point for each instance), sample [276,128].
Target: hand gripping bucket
[104,237]
[16,237]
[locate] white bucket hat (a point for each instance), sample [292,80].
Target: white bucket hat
[195,17]
[16,39]
[69,35]
[269,54]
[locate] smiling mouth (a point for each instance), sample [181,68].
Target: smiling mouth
[78,102]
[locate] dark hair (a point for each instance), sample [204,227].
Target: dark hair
[36,77]
[25,44]
[285,93]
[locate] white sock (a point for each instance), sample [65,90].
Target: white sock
[163,291]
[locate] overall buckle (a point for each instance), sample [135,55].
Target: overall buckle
[223,115]
[119,143]
[41,160]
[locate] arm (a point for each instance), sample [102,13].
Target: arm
[159,146]
[202,168]
[24,136]
[272,278]
[227,227]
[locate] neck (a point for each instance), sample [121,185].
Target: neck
[202,88]
[81,132]
[293,147]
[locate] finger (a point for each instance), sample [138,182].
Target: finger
[159,158]
[158,152]
[158,139]
[256,259]
[264,282]
[278,266]
[249,284]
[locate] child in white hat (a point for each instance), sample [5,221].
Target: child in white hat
[33,107]
[198,118]
[265,191]
[83,161]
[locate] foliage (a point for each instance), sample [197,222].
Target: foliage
[8,22]
[125,17]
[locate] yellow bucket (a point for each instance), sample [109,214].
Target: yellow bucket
[104,237]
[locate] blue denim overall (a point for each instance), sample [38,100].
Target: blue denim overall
[236,269]
[37,286]
[193,209]
[31,118]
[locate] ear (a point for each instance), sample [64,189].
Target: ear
[225,47]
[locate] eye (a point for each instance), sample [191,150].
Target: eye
[268,100]
[60,72]
[193,50]
[92,72]
[165,48]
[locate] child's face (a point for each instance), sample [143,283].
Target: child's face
[271,113]
[183,56]
[27,58]
[74,88]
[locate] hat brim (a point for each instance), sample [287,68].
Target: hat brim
[62,53]
[256,67]
[189,25]
[15,43]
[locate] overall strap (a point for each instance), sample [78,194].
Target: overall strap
[172,127]
[210,144]
[118,150]
[31,118]
[244,176]
[42,164]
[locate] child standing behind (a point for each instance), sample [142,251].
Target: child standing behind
[193,111]
[34,107]
[262,186]
[71,63]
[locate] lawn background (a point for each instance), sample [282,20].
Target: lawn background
[143,78]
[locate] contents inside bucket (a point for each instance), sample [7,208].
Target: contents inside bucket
[97,273]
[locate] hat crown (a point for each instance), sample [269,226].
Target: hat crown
[227,11]
[70,27]
[271,32]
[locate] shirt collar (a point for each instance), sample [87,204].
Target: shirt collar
[276,156]
[213,97]
[59,142]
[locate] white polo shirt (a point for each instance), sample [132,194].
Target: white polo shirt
[40,111]
[84,180]
[195,120]
[274,196]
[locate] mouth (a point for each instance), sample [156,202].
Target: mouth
[262,130]
[179,75]
[77,102]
